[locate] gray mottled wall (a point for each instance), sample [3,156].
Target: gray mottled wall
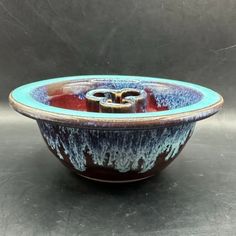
[187,40]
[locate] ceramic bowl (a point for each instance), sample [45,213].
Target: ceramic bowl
[125,145]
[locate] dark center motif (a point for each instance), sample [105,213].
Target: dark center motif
[126,100]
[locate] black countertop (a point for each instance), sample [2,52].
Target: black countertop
[195,195]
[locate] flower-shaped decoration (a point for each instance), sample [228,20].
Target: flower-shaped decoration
[126,100]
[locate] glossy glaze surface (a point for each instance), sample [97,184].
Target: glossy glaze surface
[115,147]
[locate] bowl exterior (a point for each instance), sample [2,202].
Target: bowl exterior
[116,155]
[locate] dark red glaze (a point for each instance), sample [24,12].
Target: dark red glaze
[73,102]
[69,101]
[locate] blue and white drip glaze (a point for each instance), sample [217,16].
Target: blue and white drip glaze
[121,150]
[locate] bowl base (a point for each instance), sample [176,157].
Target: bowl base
[114,181]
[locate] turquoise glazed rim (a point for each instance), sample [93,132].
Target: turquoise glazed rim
[22,100]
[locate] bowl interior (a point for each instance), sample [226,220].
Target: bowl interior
[161,96]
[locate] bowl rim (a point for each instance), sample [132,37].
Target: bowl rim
[22,101]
